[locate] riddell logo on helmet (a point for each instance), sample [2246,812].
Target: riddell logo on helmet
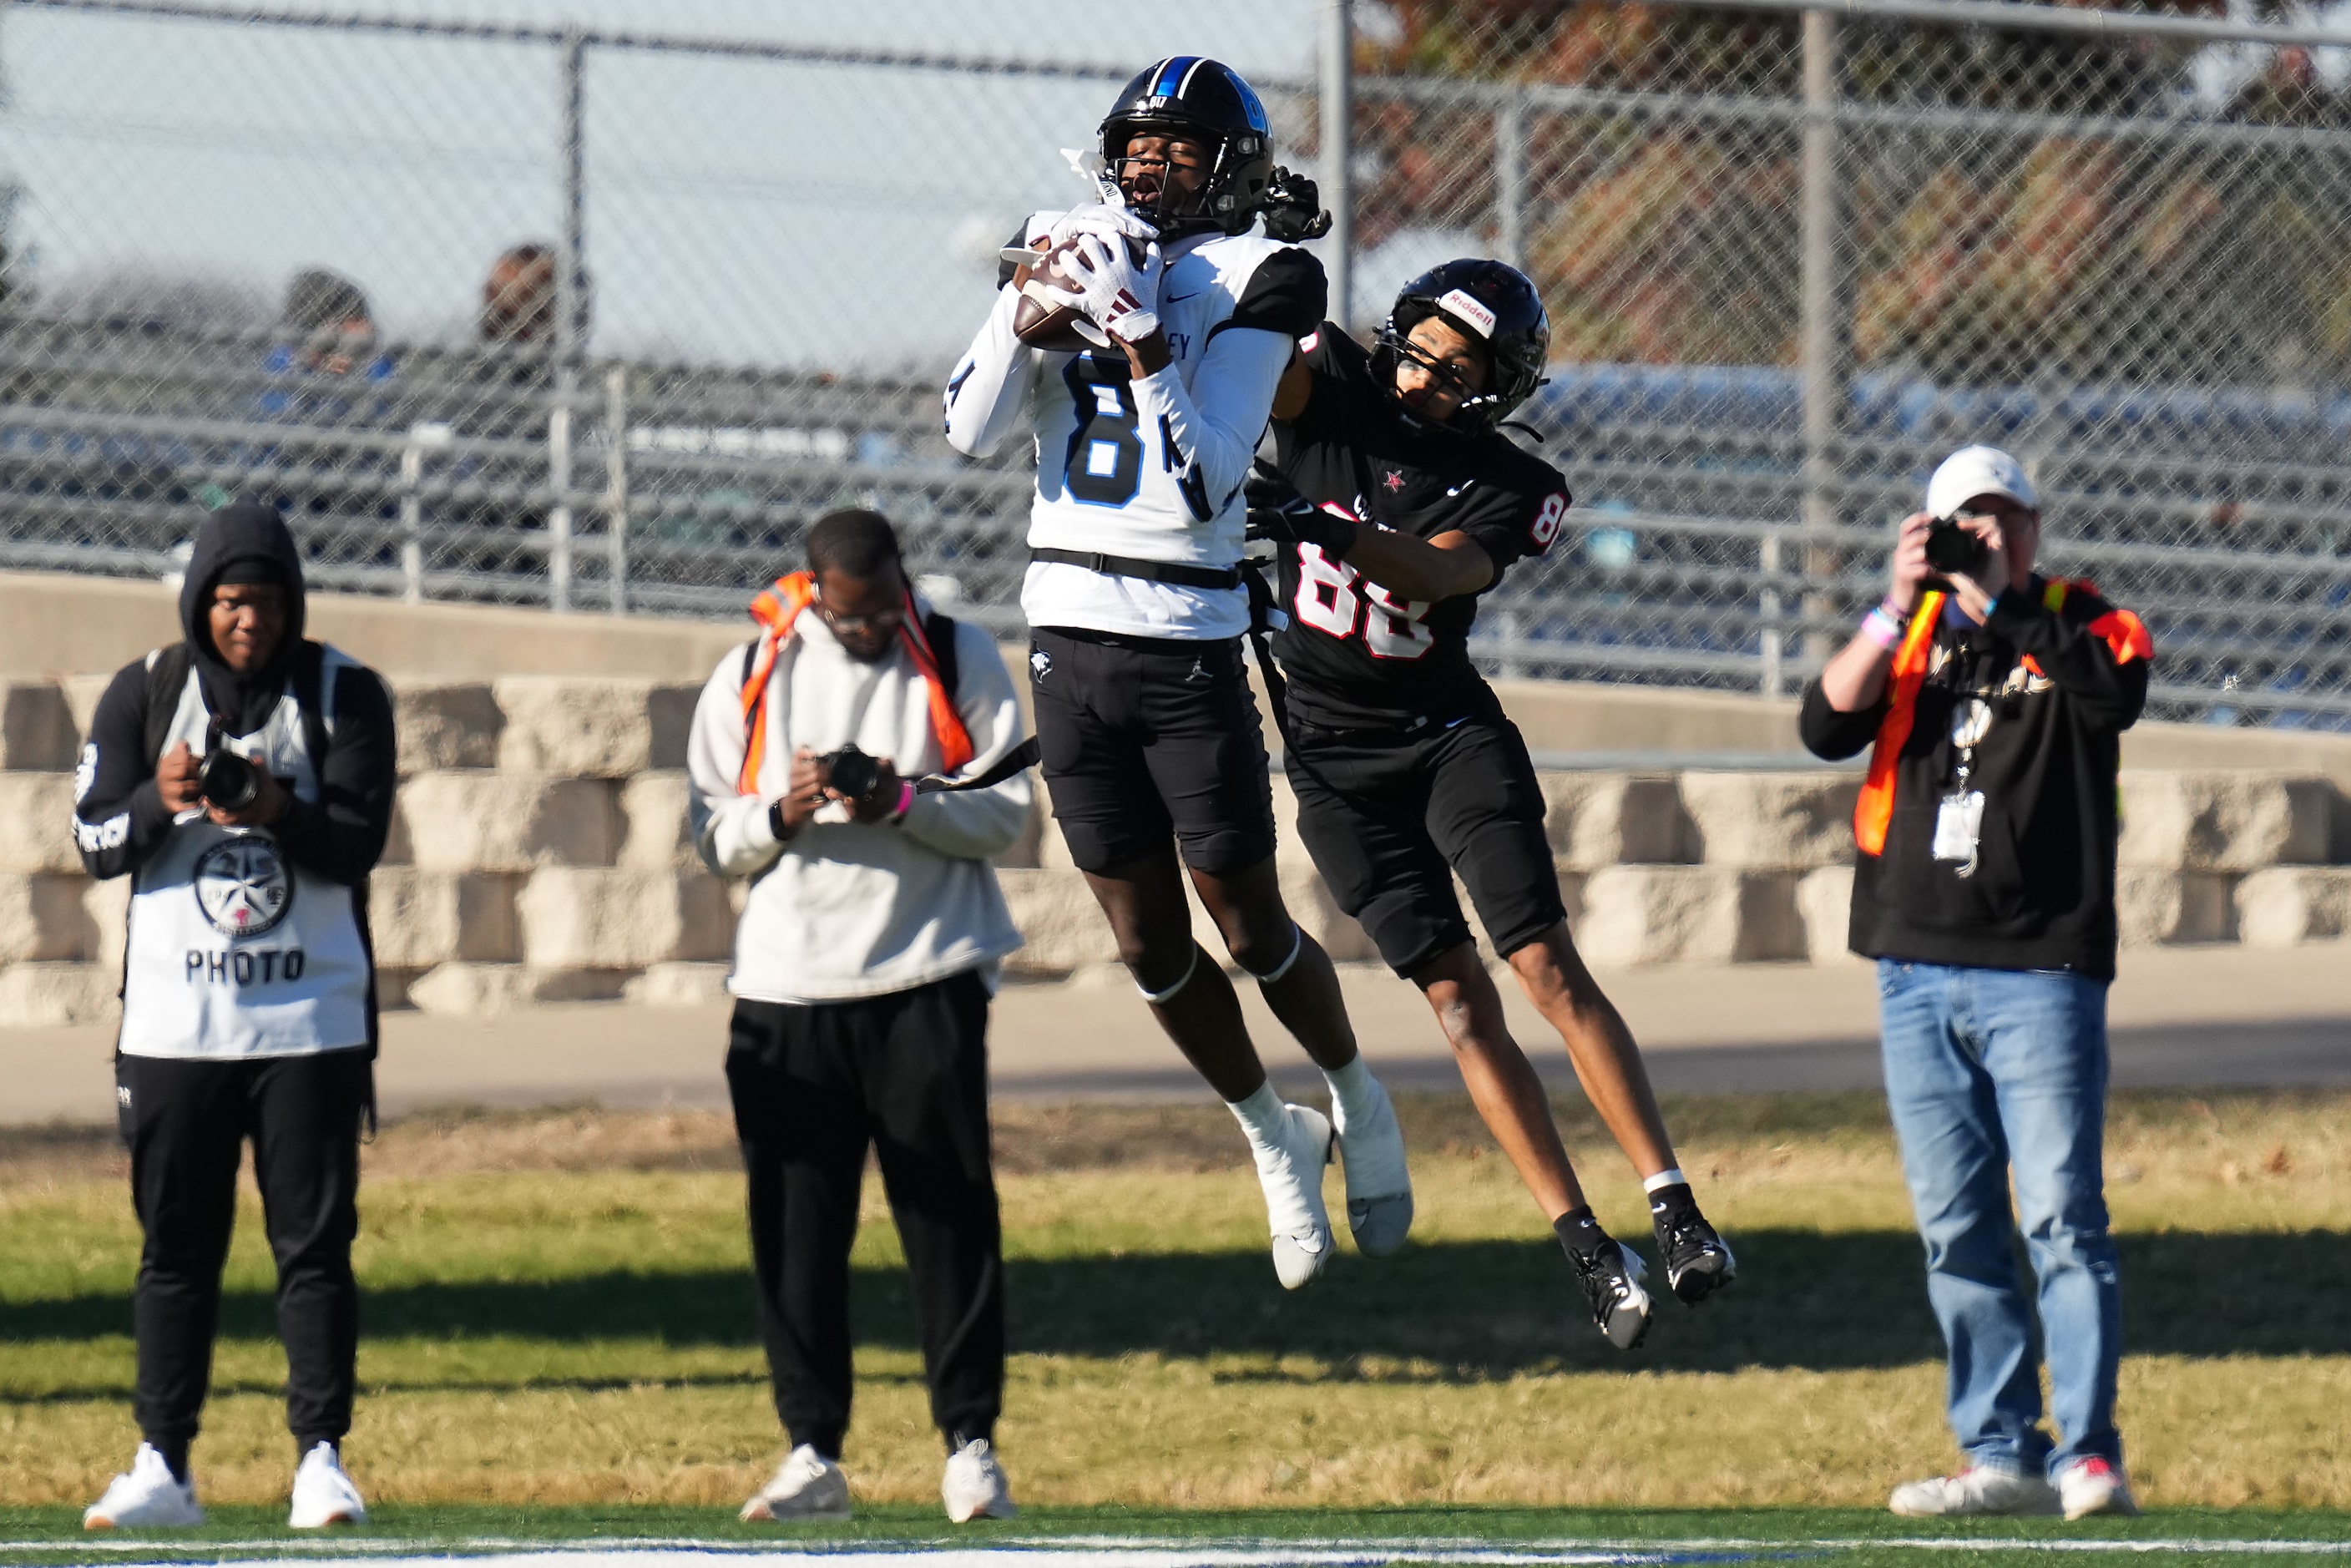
[1469,307]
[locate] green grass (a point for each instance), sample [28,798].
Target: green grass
[557,1313]
[1846,1537]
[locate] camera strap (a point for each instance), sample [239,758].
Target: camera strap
[1020,757]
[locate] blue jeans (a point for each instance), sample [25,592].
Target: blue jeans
[1992,1073]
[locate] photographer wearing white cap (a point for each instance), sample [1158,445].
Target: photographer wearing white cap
[1993,701]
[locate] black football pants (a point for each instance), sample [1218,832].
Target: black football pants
[186,1123]
[814,1087]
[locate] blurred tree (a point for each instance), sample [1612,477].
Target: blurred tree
[2032,243]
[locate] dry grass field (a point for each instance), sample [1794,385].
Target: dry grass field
[558,1312]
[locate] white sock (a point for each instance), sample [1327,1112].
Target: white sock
[1670,1177]
[1376,1165]
[1261,1116]
[1354,1094]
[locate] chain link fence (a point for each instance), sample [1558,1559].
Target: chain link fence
[586,316]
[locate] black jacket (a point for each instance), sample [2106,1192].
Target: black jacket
[119,812]
[2061,683]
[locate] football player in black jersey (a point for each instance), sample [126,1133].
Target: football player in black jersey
[1398,502]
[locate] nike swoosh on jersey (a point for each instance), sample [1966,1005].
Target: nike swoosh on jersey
[1178,299]
[1458,488]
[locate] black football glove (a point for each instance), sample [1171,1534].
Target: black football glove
[1293,208]
[1279,513]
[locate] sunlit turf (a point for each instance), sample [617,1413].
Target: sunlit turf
[557,1312]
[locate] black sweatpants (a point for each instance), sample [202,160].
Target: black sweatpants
[185,1122]
[813,1086]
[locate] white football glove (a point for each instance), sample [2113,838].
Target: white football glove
[1101,218]
[1114,291]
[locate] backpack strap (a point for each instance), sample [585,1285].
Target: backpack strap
[313,678]
[939,632]
[167,678]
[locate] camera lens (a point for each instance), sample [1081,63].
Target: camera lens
[229,782]
[1950,548]
[852,773]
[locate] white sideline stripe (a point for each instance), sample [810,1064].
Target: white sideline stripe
[1118,1551]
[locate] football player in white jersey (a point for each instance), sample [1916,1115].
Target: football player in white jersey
[1150,734]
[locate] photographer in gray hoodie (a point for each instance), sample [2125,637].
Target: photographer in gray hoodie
[861,761]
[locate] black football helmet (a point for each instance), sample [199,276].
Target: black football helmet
[1206,101]
[1489,303]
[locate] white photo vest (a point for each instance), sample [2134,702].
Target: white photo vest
[234,950]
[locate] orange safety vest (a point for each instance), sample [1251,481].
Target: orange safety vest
[776,609]
[2124,633]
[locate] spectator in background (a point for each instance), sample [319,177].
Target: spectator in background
[327,370]
[518,297]
[327,329]
[510,383]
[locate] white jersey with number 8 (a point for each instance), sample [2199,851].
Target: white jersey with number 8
[1148,470]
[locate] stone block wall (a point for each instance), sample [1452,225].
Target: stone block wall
[539,852]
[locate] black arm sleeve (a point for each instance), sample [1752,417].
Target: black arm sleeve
[341,836]
[1286,294]
[2110,693]
[1834,736]
[119,815]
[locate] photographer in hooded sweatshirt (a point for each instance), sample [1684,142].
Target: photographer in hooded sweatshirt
[243,778]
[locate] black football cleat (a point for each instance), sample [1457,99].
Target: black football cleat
[1698,1260]
[1611,1277]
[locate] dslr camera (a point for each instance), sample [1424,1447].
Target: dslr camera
[1951,549]
[851,772]
[228,779]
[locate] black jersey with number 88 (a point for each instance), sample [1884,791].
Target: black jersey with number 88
[1357,654]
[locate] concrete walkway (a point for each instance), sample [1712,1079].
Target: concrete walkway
[2216,1016]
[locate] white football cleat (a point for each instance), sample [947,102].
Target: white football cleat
[974,1486]
[323,1493]
[1379,1187]
[1290,1172]
[146,1499]
[806,1488]
[1975,1491]
[2094,1486]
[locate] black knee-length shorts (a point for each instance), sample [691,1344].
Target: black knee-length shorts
[1146,737]
[1389,816]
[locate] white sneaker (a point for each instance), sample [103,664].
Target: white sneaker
[1379,1186]
[2094,1486]
[974,1486]
[323,1493]
[807,1486]
[146,1499]
[1974,1491]
[1291,1173]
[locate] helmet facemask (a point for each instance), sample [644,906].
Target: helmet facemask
[1476,411]
[1217,204]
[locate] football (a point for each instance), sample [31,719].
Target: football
[1041,321]
[1038,321]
